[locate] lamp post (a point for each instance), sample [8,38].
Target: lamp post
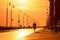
[23,18]
[19,18]
[8,3]
[11,15]
[27,20]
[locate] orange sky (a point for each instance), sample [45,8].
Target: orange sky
[36,9]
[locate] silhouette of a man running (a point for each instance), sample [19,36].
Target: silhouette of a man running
[34,25]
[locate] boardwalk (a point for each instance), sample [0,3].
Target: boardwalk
[43,34]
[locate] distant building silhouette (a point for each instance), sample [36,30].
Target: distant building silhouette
[54,13]
[57,9]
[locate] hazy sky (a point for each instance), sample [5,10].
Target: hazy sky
[36,9]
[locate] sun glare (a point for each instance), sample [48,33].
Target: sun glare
[22,7]
[25,32]
[22,4]
[22,33]
[22,1]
